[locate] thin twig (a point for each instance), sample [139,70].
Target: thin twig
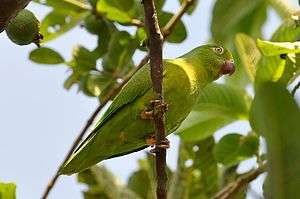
[167,29]
[296,88]
[234,187]
[137,23]
[155,50]
[109,97]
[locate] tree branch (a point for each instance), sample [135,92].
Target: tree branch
[234,187]
[9,9]
[155,50]
[109,97]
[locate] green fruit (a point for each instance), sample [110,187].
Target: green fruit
[24,28]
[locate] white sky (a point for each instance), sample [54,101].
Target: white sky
[39,119]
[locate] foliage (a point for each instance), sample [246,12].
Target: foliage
[7,191]
[267,65]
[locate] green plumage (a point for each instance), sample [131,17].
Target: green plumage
[121,130]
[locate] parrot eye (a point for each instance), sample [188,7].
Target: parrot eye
[218,50]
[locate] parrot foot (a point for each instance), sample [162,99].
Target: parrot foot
[147,115]
[151,141]
[161,107]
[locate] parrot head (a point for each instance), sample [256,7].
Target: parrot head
[216,59]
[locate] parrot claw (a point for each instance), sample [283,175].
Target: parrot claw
[163,107]
[147,115]
[165,144]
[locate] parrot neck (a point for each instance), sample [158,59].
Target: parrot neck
[198,75]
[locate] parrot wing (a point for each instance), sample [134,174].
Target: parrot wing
[137,86]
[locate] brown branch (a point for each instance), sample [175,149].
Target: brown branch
[9,9]
[155,50]
[109,97]
[234,187]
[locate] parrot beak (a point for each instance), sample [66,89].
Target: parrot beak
[227,68]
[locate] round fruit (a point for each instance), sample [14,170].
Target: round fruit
[24,28]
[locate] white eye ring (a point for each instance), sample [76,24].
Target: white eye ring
[219,50]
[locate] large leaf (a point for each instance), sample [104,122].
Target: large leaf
[59,22]
[116,10]
[102,184]
[83,59]
[275,115]
[218,105]
[240,16]
[192,7]
[95,84]
[197,172]
[7,191]
[233,148]
[118,58]
[45,56]
[179,33]
[272,68]
[289,69]
[248,52]
[269,48]
[146,174]
[67,5]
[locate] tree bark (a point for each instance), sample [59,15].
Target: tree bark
[9,9]
[155,47]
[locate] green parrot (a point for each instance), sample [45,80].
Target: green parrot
[125,127]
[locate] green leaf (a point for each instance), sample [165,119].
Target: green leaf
[93,85]
[218,105]
[197,172]
[230,175]
[142,189]
[83,60]
[179,33]
[159,4]
[58,22]
[104,36]
[7,191]
[273,68]
[103,184]
[146,174]
[45,56]
[71,80]
[275,115]
[269,69]
[233,148]
[248,52]
[289,30]
[67,5]
[192,7]
[269,48]
[249,19]
[116,10]
[118,58]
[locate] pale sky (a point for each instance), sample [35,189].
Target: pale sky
[40,119]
